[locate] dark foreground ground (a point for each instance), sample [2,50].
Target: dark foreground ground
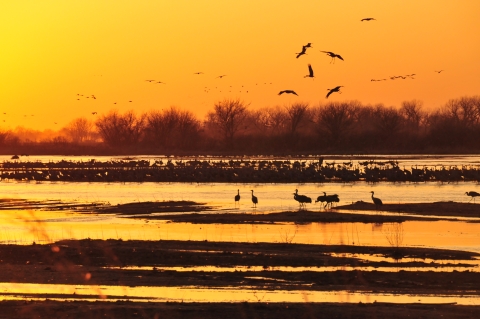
[99,262]
[97,310]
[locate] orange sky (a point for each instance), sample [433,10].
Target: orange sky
[53,50]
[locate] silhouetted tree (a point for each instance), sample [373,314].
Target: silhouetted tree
[120,130]
[228,117]
[79,130]
[335,119]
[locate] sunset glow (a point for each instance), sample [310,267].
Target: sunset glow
[57,55]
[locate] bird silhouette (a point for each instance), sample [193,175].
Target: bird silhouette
[149,80]
[254,199]
[301,199]
[335,89]
[439,71]
[93,113]
[376,201]
[333,56]
[288,92]
[304,50]
[473,195]
[198,73]
[221,76]
[310,72]
[368,19]
[237,197]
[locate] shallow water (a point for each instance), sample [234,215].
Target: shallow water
[27,226]
[10,291]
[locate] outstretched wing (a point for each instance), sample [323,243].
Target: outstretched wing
[330,92]
[310,71]
[338,56]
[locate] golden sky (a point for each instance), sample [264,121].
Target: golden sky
[53,50]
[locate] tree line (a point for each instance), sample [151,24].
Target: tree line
[347,127]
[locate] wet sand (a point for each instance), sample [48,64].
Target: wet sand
[108,262]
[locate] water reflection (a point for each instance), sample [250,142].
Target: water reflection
[10,291]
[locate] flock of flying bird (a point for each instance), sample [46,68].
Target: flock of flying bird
[330,199]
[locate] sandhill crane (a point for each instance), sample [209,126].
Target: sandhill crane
[254,199]
[221,76]
[473,195]
[304,50]
[301,199]
[367,19]
[310,72]
[237,198]
[376,201]
[329,199]
[439,71]
[335,89]
[322,198]
[333,56]
[93,113]
[198,73]
[288,92]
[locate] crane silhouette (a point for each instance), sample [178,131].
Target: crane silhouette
[304,50]
[439,71]
[335,89]
[288,92]
[237,198]
[376,201]
[473,195]
[254,199]
[310,72]
[301,199]
[333,56]
[367,19]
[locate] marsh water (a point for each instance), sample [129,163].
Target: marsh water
[24,226]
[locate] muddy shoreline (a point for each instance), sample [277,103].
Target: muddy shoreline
[253,266]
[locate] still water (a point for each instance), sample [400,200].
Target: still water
[31,225]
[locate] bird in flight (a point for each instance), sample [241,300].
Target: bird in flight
[288,92]
[367,19]
[304,49]
[160,82]
[93,113]
[221,76]
[310,72]
[333,56]
[440,71]
[149,80]
[335,89]
[198,73]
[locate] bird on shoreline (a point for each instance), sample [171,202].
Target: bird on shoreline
[237,197]
[376,201]
[254,199]
[473,195]
[335,89]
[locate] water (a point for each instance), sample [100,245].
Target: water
[30,225]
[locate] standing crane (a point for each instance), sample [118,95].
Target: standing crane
[335,89]
[473,195]
[376,201]
[237,198]
[254,199]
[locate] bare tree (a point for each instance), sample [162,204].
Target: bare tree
[335,119]
[121,129]
[296,114]
[413,114]
[79,130]
[228,117]
[388,122]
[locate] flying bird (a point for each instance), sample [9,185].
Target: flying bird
[310,72]
[221,76]
[93,113]
[335,89]
[198,73]
[440,71]
[368,19]
[304,50]
[333,56]
[149,80]
[288,92]
[160,82]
